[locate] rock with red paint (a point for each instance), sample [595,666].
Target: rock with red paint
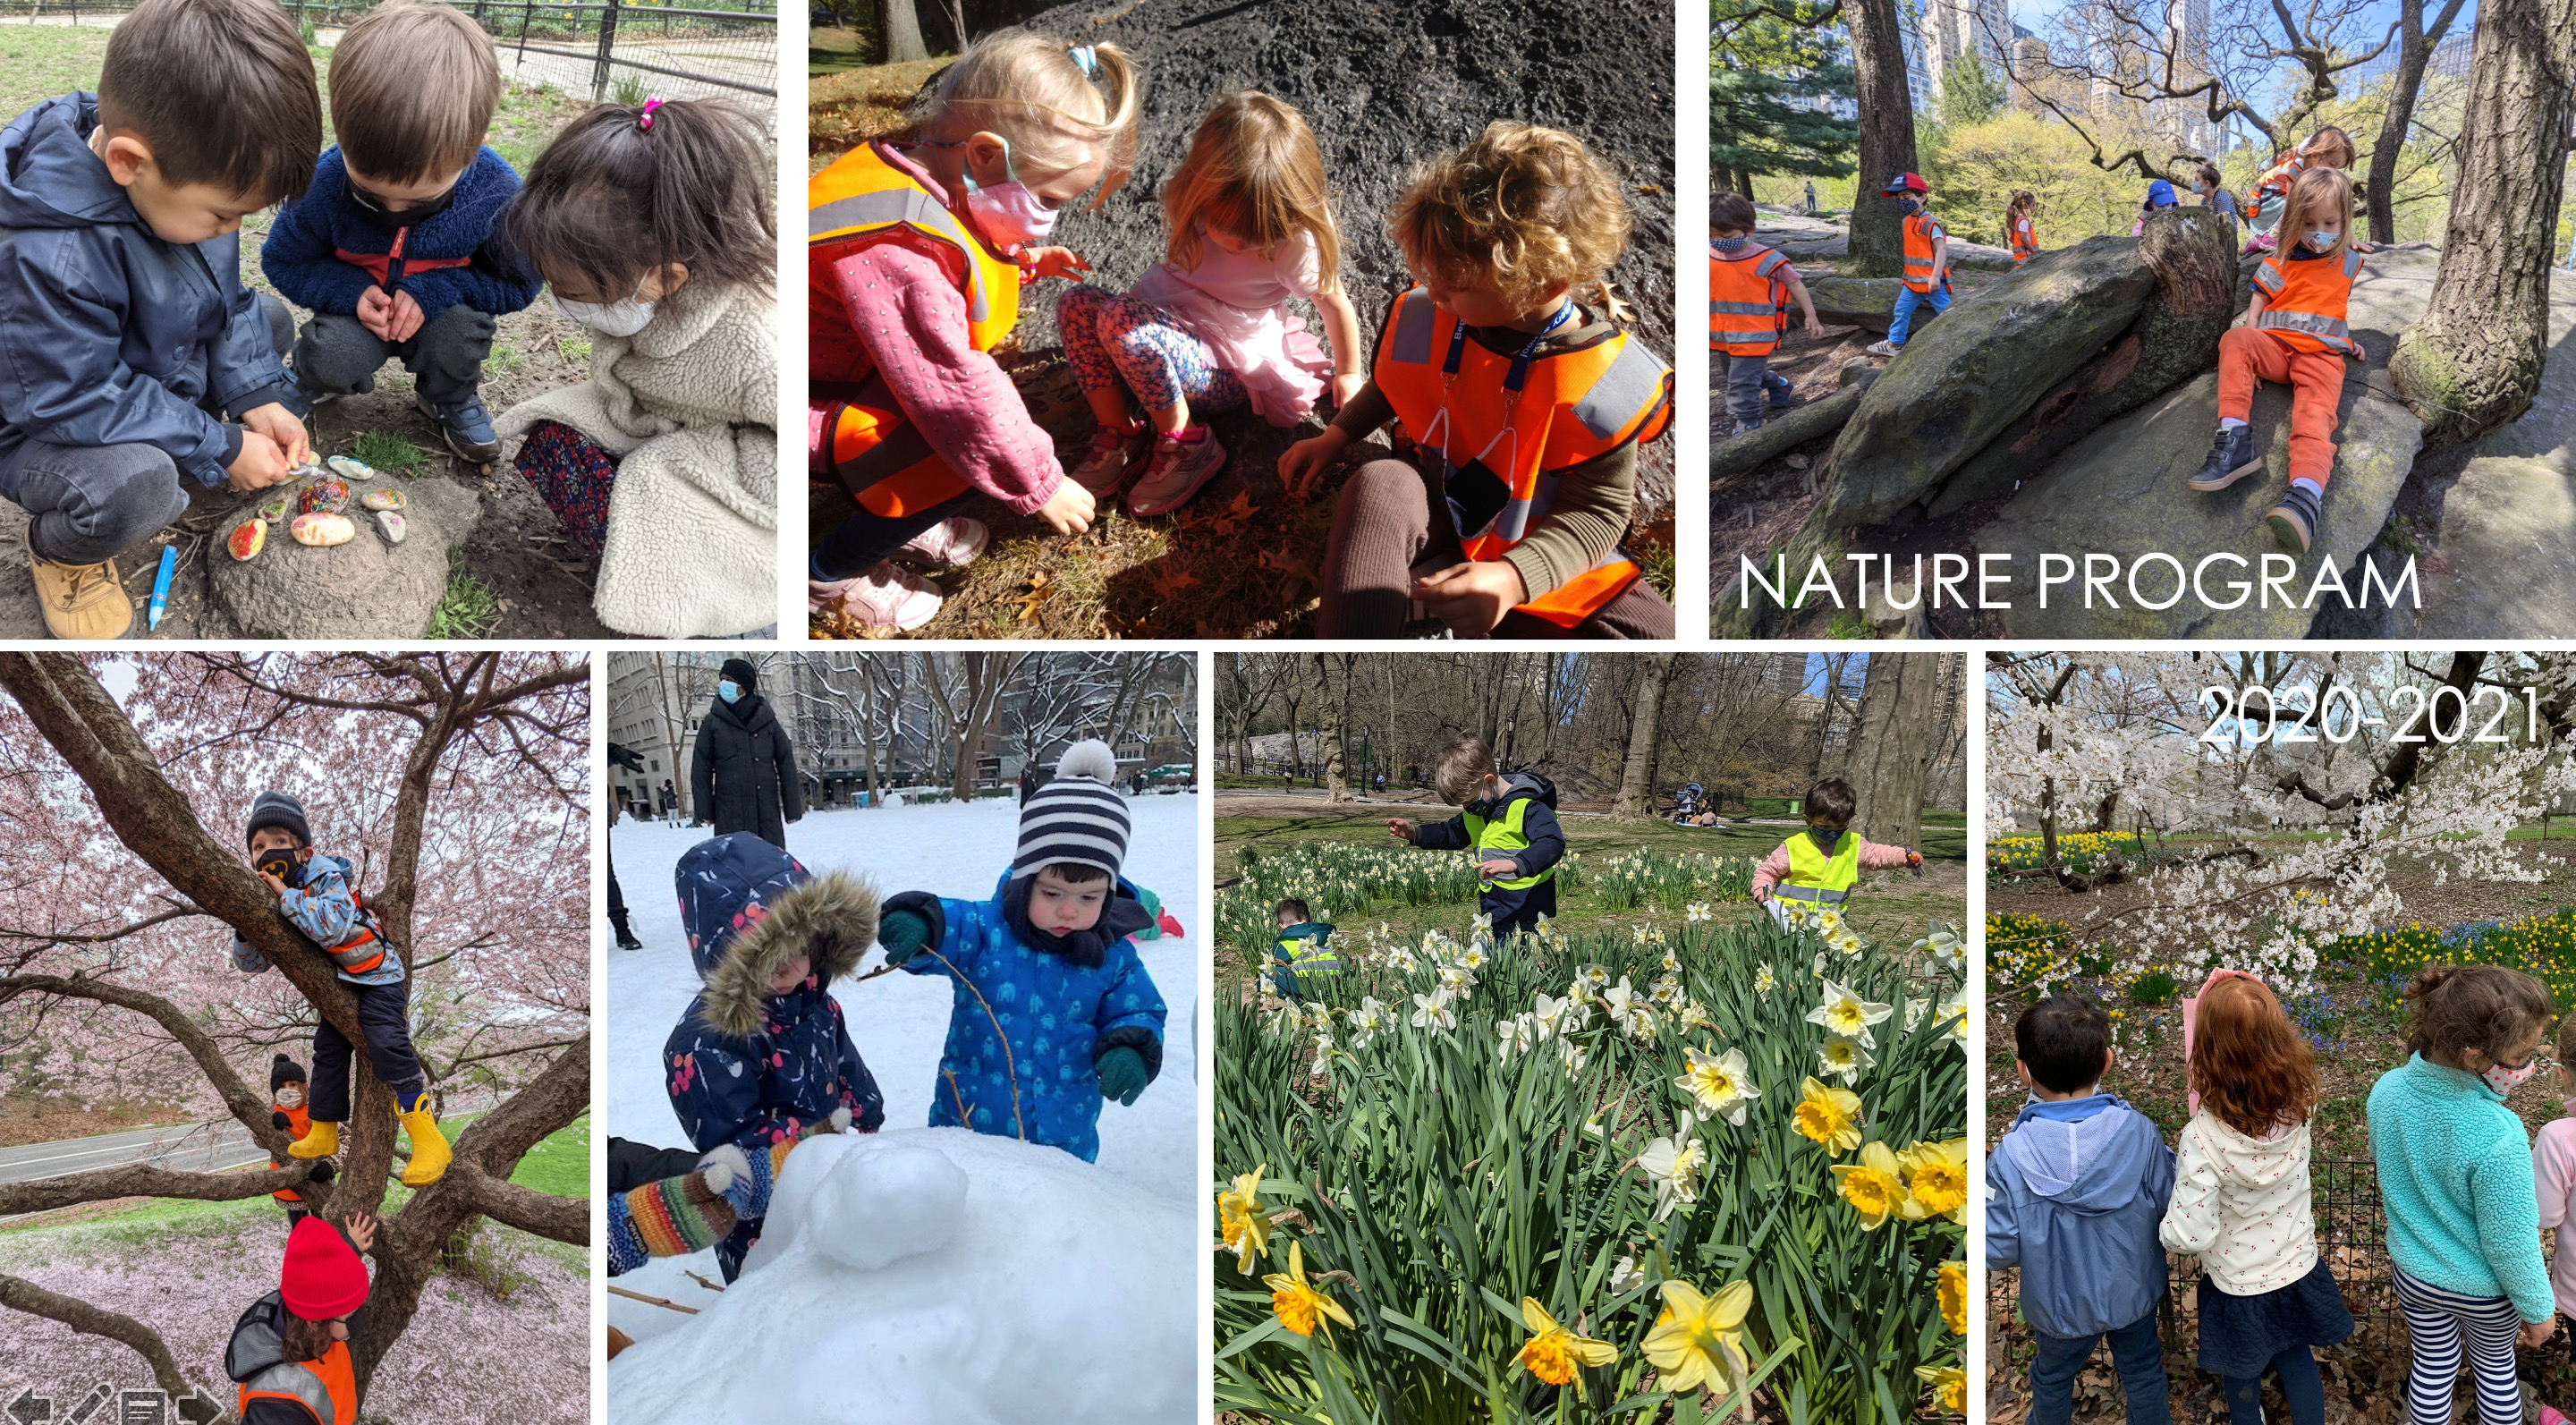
[323,497]
[322,528]
[247,539]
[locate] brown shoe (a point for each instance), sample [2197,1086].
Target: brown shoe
[83,601]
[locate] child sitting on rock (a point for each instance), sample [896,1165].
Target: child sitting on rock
[763,1054]
[1927,261]
[2328,147]
[1817,869]
[1749,288]
[653,227]
[919,245]
[319,896]
[1247,229]
[288,1113]
[2292,331]
[1056,933]
[1522,409]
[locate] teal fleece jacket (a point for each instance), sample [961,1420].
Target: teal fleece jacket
[2455,1178]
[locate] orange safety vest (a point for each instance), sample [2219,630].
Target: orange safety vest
[365,948]
[299,1121]
[2025,243]
[1921,231]
[1748,306]
[2277,179]
[327,1388]
[872,447]
[1500,440]
[2304,302]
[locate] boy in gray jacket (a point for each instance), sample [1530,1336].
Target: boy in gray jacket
[2074,1196]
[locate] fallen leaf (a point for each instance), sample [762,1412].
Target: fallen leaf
[1613,305]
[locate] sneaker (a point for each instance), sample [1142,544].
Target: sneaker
[952,543]
[82,601]
[2231,459]
[2294,520]
[1183,461]
[1786,398]
[1115,450]
[467,429]
[883,597]
[1744,428]
[1882,349]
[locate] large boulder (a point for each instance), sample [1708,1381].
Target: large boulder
[364,589]
[2120,493]
[2508,523]
[1856,301]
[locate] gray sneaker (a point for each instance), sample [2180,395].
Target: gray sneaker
[1183,461]
[1113,454]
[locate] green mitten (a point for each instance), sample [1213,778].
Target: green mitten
[902,933]
[1122,1075]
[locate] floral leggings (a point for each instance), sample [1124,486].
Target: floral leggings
[1112,338]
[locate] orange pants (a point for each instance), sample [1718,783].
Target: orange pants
[2315,378]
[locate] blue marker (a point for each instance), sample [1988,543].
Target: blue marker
[161,586]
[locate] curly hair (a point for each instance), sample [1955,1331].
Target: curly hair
[2484,1007]
[2253,1071]
[1520,210]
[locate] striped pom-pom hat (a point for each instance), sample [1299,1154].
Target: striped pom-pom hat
[1079,817]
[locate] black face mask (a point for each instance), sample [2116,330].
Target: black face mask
[411,217]
[278,862]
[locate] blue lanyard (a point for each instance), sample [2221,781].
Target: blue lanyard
[1519,373]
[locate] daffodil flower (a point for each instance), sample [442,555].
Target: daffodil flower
[1673,1165]
[1763,982]
[1432,1011]
[1518,1033]
[1846,1014]
[1619,1002]
[1627,1276]
[1297,1304]
[1872,1186]
[1844,1058]
[1949,1387]
[1936,1176]
[1722,1083]
[1950,1288]
[1367,1022]
[1830,1116]
[1553,1352]
[1549,1015]
[1699,1340]
[1243,1225]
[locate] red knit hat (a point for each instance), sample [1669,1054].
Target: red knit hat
[322,1278]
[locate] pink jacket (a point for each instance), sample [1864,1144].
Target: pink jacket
[1775,867]
[892,304]
[2553,1173]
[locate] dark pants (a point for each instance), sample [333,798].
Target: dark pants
[616,900]
[631,1164]
[2301,1385]
[1510,911]
[337,356]
[2135,1351]
[86,503]
[384,1018]
[1750,385]
[865,540]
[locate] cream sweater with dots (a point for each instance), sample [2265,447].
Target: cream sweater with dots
[2241,1205]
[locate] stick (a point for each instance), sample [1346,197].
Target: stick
[655,1300]
[702,1281]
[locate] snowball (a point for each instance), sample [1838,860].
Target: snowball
[878,1208]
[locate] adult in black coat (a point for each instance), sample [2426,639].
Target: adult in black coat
[619,755]
[743,774]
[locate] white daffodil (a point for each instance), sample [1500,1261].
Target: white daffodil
[1289,1022]
[1819,967]
[1642,1024]
[1619,1001]
[1691,1015]
[1367,1022]
[1518,1033]
[1844,1057]
[1698,911]
[1548,1015]
[1673,1165]
[1592,977]
[1722,1084]
[1626,1276]
[1942,946]
[1474,960]
[1455,980]
[1849,944]
[1830,922]
[1432,1011]
[1954,1012]
[1663,992]
[1672,966]
[1845,1014]
[1914,1011]
[1574,1055]
[1763,982]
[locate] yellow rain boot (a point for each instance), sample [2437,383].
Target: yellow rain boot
[429,1153]
[322,1142]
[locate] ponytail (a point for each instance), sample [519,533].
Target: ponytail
[1038,92]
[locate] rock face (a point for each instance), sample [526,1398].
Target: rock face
[2508,533]
[1857,301]
[364,589]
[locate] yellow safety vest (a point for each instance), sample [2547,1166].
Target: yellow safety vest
[1504,834]
[1817,878]
[1310,955]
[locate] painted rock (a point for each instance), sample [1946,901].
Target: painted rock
[382,499]
[323,497]
[393,527]
[357,470]
[247,539]
[322,528]
[276,509]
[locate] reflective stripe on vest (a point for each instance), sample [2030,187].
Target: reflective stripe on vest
[1920,232]
[2025,243]
[1312,958]
[1747,304]
[1500,449]
[364,950]
[1505,835]
[328,1388]
[2304,302]
[1815,876]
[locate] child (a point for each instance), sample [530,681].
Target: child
[1531,496]
[393,246]
[2553,1169]
[919,245]
[1057,931]
[319,894]
[1304,948]
[763,1055]
[2455,1180]
[2292,331]
[1819,869]
[289,1352]
[2329,147]
[288,1114]
[2240,1202]
[1508,822]
[1749,287]
[1927,261]
[668,1202]
[2017,226]
[136,355]
[2073,1197]
[654,229]
[1247,228]
[2160,194]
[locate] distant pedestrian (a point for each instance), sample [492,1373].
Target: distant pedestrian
[1811,195]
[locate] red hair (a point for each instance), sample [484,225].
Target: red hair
[2252,1069]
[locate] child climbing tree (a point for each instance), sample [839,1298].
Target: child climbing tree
[457,785]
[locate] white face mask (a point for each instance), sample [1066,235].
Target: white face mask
[1010,214]
[289,1098]
[610,318]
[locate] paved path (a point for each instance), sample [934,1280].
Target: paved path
[185,1147]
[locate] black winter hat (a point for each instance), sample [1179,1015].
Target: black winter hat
[283,1071]
[279,810]
[741,671]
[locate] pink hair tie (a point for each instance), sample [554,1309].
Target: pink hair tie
[644,120]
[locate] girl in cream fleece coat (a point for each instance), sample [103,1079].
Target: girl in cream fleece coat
[2240,1201]
[653,228]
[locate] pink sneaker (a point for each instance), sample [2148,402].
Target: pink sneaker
[952,543]
[2549,1416]
[883,597]
[1183,461]
[1115,450]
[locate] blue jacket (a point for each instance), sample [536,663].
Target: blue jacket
[2455,1176]
[744,1066]
[324,250]
[112,336]
[1051,1018]
[323,904]
[2074,1196]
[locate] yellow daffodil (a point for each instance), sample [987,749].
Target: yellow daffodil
[1949,1387]
[1830,1116]
[1243,1226]
[1299,1306]
[1936,1176]
[1698,1340]
[1553,1351]
[1950,1288]
[1872,1186]
[1723,1083]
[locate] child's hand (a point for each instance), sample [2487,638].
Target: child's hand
[362,1231]
[1347,387]
[375,313]
[1497,867]
[1399,828]
[1299,464]
[274,884]
[403,322]
[2537,1333]
[1122,1075]
[260,464]
[279,424]
[1472,597]
[1055,262]
[1069,509]
[1815,329]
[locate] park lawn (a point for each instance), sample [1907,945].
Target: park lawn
[849,103]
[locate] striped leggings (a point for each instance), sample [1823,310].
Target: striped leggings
[2436,1320]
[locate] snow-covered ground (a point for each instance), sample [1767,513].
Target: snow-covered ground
[899,1021]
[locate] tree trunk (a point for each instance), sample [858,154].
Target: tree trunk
[1637,774]
[2474,362]
[1891,751]
[899,33]
[2416,50]
[1886,137]
[1335,715]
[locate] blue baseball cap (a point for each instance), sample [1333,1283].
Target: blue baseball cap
[2160,194]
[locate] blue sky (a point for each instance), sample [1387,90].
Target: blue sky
[2379,13]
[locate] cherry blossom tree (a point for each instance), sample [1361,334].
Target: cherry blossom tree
[457,783]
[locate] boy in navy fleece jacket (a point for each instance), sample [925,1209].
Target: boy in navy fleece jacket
[393,246]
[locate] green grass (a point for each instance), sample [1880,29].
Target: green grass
[575,350]
[503,360]
[40,62]
[389,453]
[526,120]
[468,609]
[560,1163]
